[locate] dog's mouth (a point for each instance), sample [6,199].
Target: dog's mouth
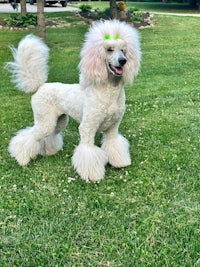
[117,71]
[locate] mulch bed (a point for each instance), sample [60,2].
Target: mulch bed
[146,18]
[145,22]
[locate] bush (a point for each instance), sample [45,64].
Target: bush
[133,9]
[137,16]
[85,8]
[107,12]
[22,21]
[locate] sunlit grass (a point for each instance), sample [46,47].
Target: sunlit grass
[143,215]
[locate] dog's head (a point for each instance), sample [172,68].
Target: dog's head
[111,48]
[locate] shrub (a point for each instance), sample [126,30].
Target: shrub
[133,9]
[107,12]
[22,21]
[85,8]
[137,16]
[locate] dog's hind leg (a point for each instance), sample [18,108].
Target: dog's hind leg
[61,123]
[117,148]
[54,142]
[30,142]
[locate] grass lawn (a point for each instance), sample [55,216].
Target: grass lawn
[144,6]
[147,214]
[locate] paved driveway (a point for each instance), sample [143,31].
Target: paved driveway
[6,8]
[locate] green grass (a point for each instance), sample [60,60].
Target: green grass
[143,215]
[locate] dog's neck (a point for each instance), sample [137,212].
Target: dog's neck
[110,81]
[115,81]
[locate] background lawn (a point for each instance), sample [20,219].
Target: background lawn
[143,215]
[144,6]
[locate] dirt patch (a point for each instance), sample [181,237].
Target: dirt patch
[2,23]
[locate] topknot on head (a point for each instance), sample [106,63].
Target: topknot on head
[111,30]
[105,30]
[107,37]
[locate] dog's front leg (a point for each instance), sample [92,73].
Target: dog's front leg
[88,159]
[117,147]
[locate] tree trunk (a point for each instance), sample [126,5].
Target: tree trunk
[113,9]
[193,3]
[23,7]
[41,19]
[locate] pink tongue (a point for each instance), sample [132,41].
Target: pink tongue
[118,70]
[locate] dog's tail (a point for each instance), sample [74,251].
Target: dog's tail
[30,66]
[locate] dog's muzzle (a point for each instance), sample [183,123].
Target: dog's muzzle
[118,70]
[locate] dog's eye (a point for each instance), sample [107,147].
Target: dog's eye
[110,49]
[123,51]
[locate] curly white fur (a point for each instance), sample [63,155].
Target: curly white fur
[110,58]
[29,69]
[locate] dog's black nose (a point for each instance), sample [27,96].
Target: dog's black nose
[122,61]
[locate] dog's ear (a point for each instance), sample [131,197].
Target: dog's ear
[131,38]
[132,66]
[92,65]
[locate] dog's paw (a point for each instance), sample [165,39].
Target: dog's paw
[23,147]
[89,162]
[118,151]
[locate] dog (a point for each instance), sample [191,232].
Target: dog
[110,58]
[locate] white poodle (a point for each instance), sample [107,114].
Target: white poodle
[110,58]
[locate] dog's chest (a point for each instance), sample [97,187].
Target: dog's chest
[113,114]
